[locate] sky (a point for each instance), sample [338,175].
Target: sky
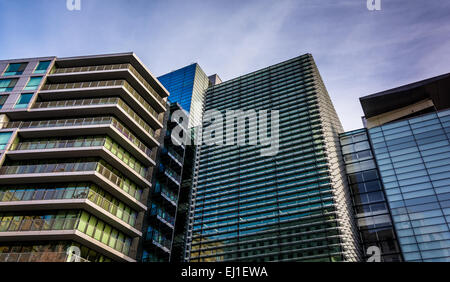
[358,52]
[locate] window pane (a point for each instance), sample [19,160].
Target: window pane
[15,69]
[33,83]
[4,139]
[23,100]
[42,67]
[7,85]
[3,99]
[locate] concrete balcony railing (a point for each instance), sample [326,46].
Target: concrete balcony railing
[123,183]
[41,257]
[160,103]
[39,226]
[77,122]
[82,103]
[87,146]
[130,218]
[116,210]
[109,68]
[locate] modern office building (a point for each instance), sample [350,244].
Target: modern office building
[293,206]
[163,214]
[187,87]
[409,130]
[78,143]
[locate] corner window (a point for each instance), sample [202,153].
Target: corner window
[33,83]
[23,100]
[3,99]
[4,138]
[42,67]
[7,85]
[15,69]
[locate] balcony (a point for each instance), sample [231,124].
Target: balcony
[100,71]
[85,107]
[119,186]
[174,155]
[165,193]
[50,227]
[93,146]
[78,126]
[159,241]
[162,216]
[171,174]
[66,196]
[108,87]
[41,257]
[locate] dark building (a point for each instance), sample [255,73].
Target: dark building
[166,203]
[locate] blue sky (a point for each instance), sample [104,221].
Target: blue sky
[358,52]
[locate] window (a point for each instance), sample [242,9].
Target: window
[4,138]
[42,67]
[33,83]
[7,85]
[23,100]
[3,99]
[15,69]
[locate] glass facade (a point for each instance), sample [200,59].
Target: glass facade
[370,207]
[412,155]
[187,87]
[248,207]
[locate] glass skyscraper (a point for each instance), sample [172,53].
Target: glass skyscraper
[187,87]
[293,206]
[409,129]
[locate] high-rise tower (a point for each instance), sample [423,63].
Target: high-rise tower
[292,206]
[187,87]
[409,132]
[78,146]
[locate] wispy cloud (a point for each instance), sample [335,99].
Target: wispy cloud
[358,52]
